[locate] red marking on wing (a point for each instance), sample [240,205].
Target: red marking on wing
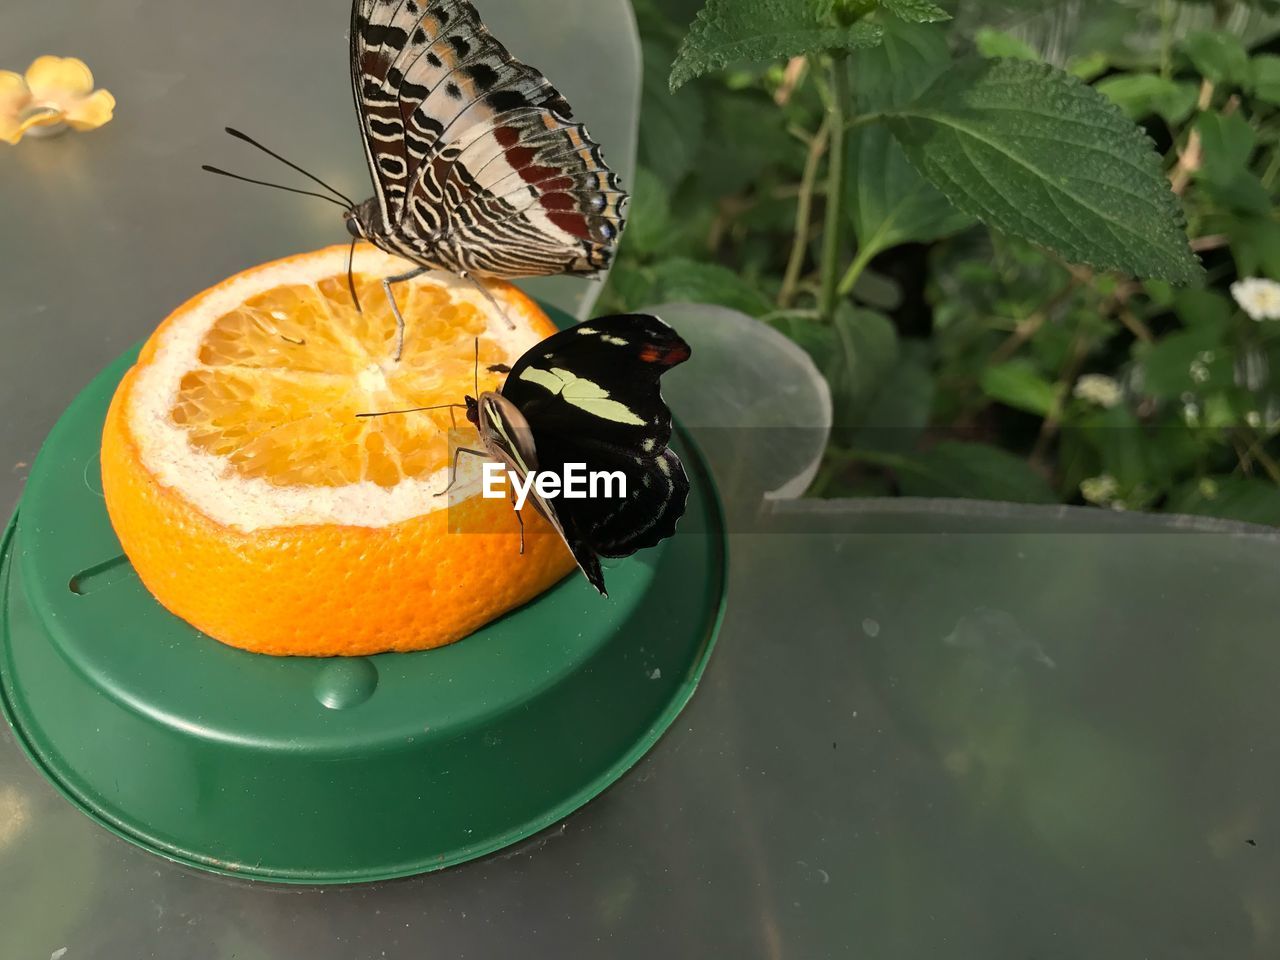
[667,356]
[571,223]
[537,174]
[507,136]
[557,201]
[520,157]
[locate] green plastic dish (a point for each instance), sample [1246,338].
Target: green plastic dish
[340,770]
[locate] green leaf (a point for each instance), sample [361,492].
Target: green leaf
[1019,384]
[681,279]
[648,216]
[900,411]
[1227,142]
[1266,77]
[1202,307]
[890,202]
[1219,56]
[1142,94]
[867,352]
[1037,154]
[973,471]
[856,353]
[996,43]
[629,288]
[1088,66]
[1255,246]
[877,291]
[671,127]
[731,31]
[909,57]
[1248,499]
[746,137]
[915,11]
[1118,445]
[1186,361]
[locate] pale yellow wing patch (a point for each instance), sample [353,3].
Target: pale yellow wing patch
[583,394]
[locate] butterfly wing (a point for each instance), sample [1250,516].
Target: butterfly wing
[381,31]
[507,437]
[591,395]
[477,161]
[600,379]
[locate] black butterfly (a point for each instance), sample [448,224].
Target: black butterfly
[478,168]
[590,395]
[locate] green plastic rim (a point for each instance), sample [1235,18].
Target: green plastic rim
[317,771]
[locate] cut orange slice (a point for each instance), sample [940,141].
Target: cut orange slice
[257,505]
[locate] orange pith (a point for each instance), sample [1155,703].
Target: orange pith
[266,403]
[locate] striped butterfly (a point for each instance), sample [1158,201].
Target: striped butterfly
[591,395]
[477,166]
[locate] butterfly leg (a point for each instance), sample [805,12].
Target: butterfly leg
[489,296]
[520,519]
[395,310]
[453,474]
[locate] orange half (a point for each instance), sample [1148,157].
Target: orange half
[257,505]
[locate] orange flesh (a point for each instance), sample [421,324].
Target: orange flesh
[282,378]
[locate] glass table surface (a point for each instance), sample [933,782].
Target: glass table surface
[929,729]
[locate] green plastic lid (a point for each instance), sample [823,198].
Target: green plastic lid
[331,770]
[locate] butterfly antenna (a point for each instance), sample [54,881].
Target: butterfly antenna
[351,279]
[289,163]
[264,183]
[477,370]
[391,413]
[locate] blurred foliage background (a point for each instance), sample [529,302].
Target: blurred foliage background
[963,361]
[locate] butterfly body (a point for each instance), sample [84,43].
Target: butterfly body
[590,395]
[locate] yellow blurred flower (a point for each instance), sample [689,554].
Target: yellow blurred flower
[56,91]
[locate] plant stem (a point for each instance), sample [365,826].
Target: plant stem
[1255,449]
[850,278]
[1134,325]
[1076,357]
[1026,329]
[817,147]
[834,232]
[1166,39]
[1189,158]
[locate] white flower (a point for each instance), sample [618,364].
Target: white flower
[1259,298]
[1100,389]
[1100,490]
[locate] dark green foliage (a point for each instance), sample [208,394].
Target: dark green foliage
[996,169]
